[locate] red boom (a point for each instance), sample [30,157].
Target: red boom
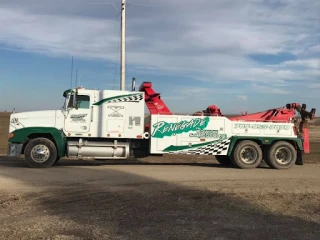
[283,114]
[153,100]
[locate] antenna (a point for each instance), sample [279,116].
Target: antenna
[123,45]
[76,79]
[71,71]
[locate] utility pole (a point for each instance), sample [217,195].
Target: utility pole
[123,45]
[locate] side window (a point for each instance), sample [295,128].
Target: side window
[83,102]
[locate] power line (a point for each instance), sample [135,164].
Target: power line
[140,4]
[106,3]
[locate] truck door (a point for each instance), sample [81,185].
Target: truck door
[78,119]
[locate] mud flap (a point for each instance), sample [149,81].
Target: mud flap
[306,140]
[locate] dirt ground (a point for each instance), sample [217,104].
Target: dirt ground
[86,200]
[158,198]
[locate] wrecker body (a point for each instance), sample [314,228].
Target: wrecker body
[108,124]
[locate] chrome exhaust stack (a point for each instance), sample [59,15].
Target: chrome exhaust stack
[133,88]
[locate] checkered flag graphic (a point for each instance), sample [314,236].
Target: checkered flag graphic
[133,98]
[220,148]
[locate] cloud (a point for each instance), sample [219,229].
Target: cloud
[315,86]
[315,48]
[57,35]
[178,38]
[181,92]
[242,97]
[308,63]
[269,90]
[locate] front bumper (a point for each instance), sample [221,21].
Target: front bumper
[14,149]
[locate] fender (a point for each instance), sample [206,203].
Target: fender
[22,135]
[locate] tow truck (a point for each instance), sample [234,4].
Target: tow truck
[111,124]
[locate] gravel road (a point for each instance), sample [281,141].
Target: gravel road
[132,200]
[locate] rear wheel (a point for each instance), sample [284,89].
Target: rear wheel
[223,160]
[281,155]
[40,153]
[247,154]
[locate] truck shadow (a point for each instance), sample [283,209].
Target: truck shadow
[113,204]
[20,163]
[65,162]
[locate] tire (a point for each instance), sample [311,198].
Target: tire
[223,160]
[243,162]
[287,157]
[44,160]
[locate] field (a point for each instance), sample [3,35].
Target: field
[4,131]
[158,198]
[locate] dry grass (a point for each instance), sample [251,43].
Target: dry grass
[4,130]
[315,122]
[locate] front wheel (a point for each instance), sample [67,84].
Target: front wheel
[247,154]
[40,153]
[281,155]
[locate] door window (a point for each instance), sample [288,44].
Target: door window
[83,102]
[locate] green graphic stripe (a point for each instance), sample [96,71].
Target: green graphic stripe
[115,97]
[173,148]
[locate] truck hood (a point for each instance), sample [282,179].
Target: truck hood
[50,118]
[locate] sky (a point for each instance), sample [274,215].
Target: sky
[241,55]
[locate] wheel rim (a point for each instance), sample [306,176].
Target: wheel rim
[40,153]
[283,155]
[249,155]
